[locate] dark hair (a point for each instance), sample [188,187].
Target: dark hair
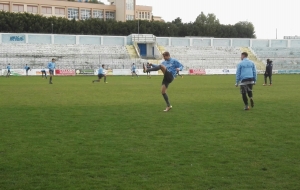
[53,59]
[166,53]
[103,65]
[245,54]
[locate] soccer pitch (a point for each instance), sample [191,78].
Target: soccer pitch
[78,135]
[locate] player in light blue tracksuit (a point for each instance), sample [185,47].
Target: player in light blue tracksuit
[8,70]
[51,67]
[101,74]
[169,67]
[246,77]
[44,73]
[133,72]
[27,68]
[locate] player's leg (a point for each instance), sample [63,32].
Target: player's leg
[165,96]
[104,79]
[270,79]
[250,94]
[99,78]
[155,68]
[243,89]
[45,74]
[265,79]
[51,72]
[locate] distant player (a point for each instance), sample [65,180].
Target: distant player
[148,73]
[101,74]
[44,73]
[133,70]
[246,77]
[179,74]
[51,67]
[169,67]
[8,70]
[27,68]
[268,72]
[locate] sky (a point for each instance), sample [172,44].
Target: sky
[266,15]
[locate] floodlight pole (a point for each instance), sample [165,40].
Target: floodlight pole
[52,27]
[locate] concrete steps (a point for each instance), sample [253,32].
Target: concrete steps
[258,63]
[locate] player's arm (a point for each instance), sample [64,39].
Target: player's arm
[254,73]
[178,66]
[238,75]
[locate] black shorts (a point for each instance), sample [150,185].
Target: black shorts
[8,71]
[246,88]
[133,71]
[51,72]
[168,78]
[100,76]
[43,72]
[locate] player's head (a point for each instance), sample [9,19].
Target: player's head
[166,55]
[9,64]
[132,63]
[244,55]
[53,60]
[103,65]
[147,63]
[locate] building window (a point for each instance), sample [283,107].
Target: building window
[85,14]
[47,10]
[129,17]
[148,15]
[60,11]
[73,13]
[18,8]
[140,14]
[109,15]
[32,9]
[98,14]
[130,4]
[143,15]
[4,7]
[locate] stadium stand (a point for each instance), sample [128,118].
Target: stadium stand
[206,57]
[68,56]
[283,58]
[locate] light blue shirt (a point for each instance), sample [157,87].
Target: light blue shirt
[101,71]
[51,65]
[172,65]
[8,67]
[26,67]
[245,70]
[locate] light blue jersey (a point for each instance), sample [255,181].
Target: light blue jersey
[172,65]
[133,68]
[245,70]
[51,66]
[101,71]
[8,67]
[26,68]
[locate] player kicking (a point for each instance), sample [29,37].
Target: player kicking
[169,67]
[101,74]
[44,73]
[51,67]
[8,71]
[133,70]
[148,73]
[246,77]
[27,68]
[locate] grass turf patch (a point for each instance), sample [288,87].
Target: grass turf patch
[78,135]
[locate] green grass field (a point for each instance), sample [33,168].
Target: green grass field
[82,136]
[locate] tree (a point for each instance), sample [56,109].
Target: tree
[209,19]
